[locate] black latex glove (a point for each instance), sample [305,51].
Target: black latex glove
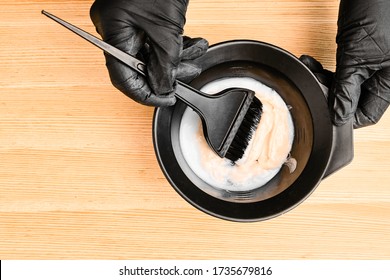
[360,88]
[152,31]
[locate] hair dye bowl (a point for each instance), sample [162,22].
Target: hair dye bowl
[229,192]
[267,151]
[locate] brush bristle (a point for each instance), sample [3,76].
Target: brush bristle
[246,130]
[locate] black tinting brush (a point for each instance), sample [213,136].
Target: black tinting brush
[229,117]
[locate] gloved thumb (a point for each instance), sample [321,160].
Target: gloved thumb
[374,100]
[323,75]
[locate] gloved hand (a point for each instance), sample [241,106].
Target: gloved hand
[151,31]
[361,84]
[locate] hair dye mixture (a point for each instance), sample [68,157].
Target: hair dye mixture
[266,153]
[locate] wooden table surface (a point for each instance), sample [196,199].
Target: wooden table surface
[78,174]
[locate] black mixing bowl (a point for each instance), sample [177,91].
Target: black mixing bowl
[318,146]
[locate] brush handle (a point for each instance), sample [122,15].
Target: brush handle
[183,92]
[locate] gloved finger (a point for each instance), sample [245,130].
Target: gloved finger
[159,100]
[189,68]
[345,93]
[374,100]
[135,85]
[313,64]
[193,48]
[324,76]
[165,36]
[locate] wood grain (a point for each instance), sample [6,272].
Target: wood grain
[78,174]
